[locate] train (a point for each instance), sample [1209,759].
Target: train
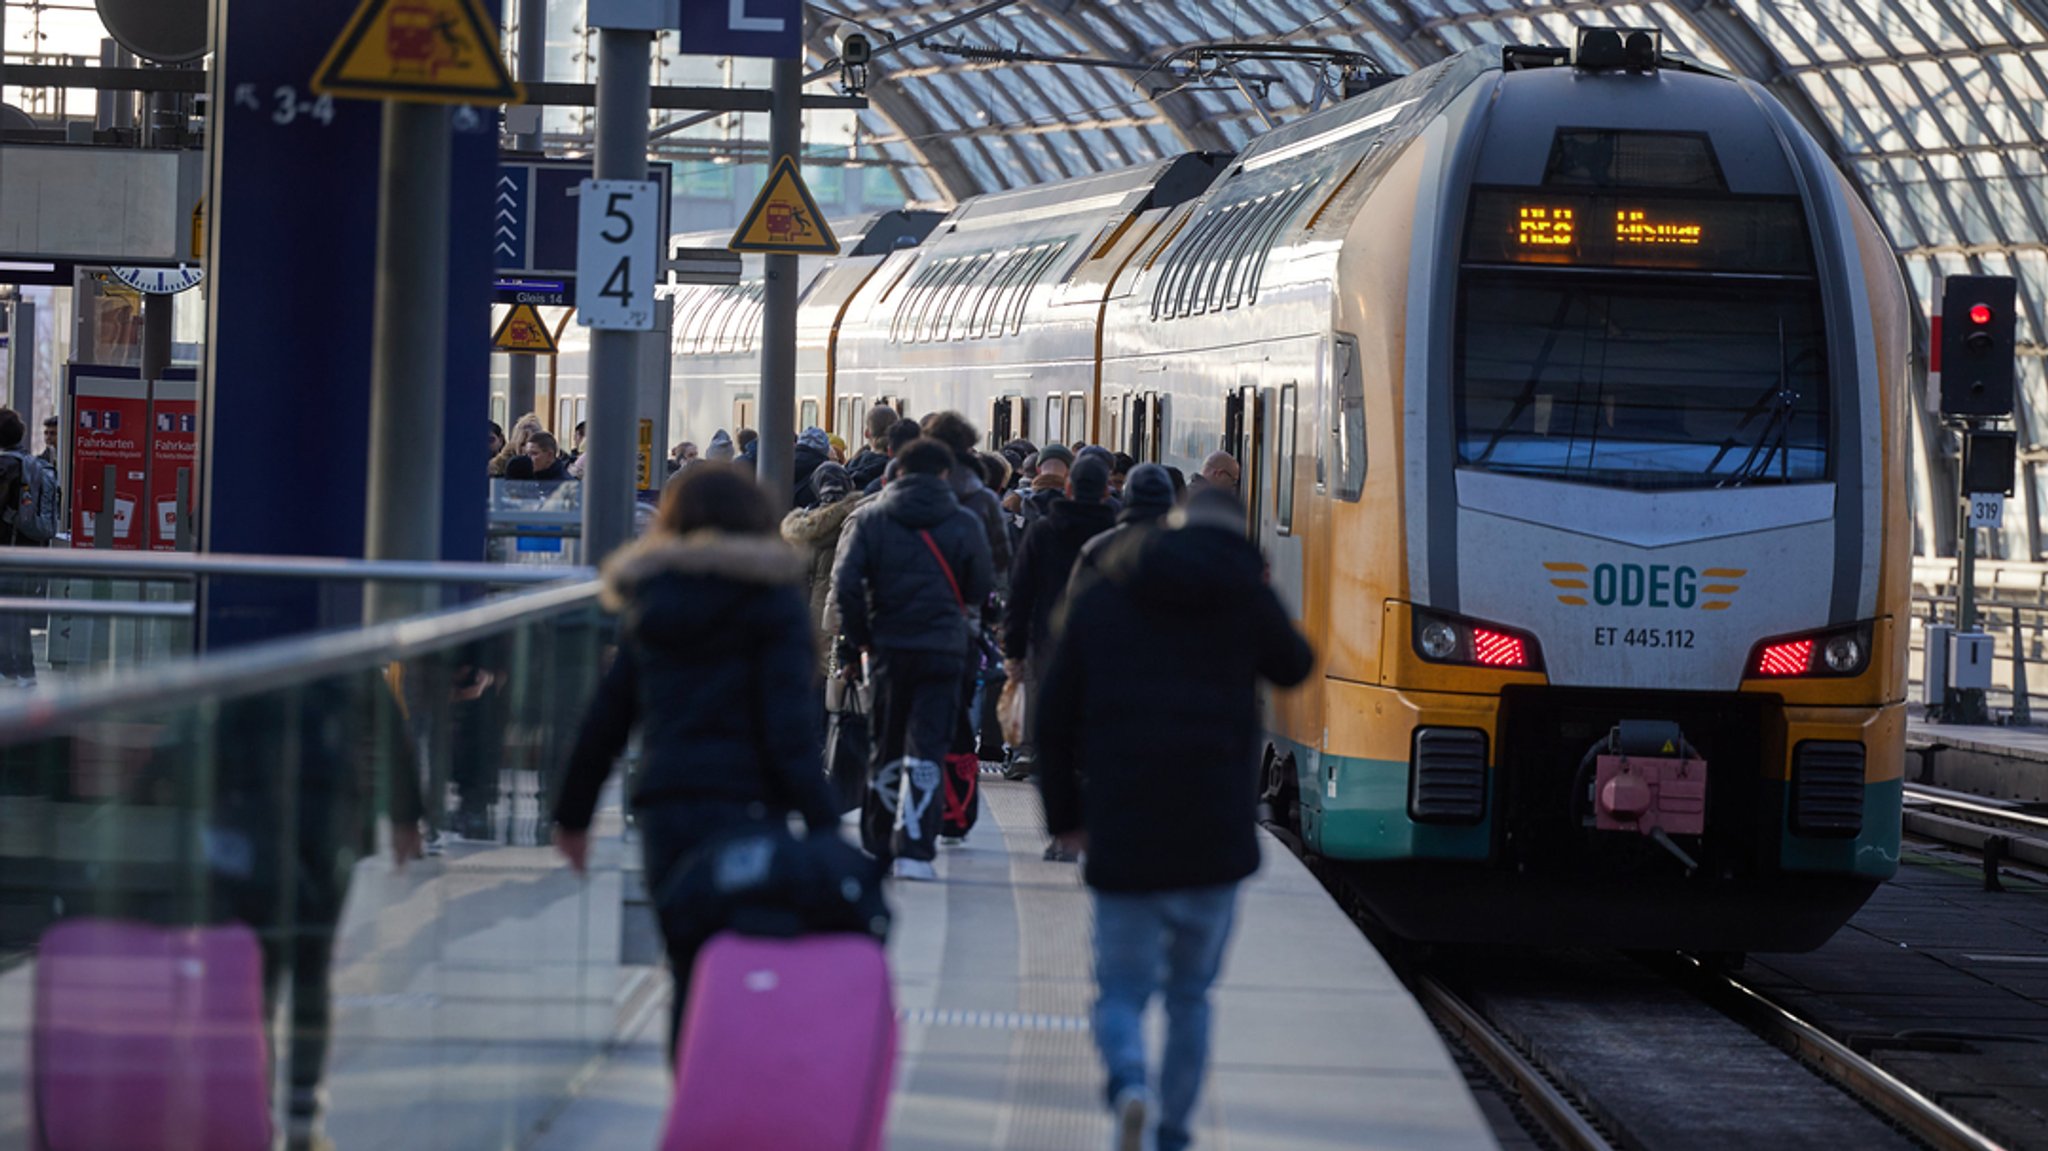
[1568,387]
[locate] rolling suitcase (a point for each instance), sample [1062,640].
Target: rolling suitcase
[788,1045]
[149,1037]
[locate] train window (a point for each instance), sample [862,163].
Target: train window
[565,416]
[806,415]
[1233,426]
[1157,436]
[1055,410]
[1642,383]
[903,324]
[1262,248]
[1347,429]
[975,302]
[1170,292]
[1046,255]
[742,414]
[950,323]
[1283,473]
[1140,422]
[498,405]
[1077,418]
[1201,294]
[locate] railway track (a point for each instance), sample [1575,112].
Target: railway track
[1543,1070]
[1996,830]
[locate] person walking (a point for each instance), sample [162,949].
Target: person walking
[1148,499]
[715,666]
[866,465]
[913,568]
[1167,816]
[1038,583]
[815,533]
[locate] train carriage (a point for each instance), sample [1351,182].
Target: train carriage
[1568,391]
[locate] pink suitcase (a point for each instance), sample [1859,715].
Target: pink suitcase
[788,1045]
[149,1039]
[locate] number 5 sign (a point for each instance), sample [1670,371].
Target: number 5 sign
[618,250]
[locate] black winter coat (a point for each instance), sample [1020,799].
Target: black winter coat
[1152,694]
[891,591]
[1045,560]
[807,460]
[716,664]
[865,468]
[987,507]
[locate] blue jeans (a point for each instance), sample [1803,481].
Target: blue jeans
[1149,942]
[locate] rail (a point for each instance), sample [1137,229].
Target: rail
[168,566]
[284,663]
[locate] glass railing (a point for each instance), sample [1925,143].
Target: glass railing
[89,611]
[201,918]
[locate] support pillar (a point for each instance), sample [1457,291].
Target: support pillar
[778,317]
[623,102]
[407,349]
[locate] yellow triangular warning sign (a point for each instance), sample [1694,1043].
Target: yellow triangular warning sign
[1668,747]
[420,51]
[524,332]
[785,219]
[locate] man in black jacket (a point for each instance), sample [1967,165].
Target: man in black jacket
[1168,815]
[866,465]
[912,569]
[1038,581]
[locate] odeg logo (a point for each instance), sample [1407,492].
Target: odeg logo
[1678,586]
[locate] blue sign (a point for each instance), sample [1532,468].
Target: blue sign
[534,216]
[771,28]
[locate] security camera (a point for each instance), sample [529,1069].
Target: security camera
[855,49]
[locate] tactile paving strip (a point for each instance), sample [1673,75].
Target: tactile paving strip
[1052,1101]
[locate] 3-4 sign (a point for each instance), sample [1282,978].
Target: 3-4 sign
[618,252]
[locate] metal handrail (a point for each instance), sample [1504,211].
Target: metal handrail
[186,565]
[279,664]
[99,608]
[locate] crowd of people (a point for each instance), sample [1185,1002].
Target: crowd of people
[1115,610]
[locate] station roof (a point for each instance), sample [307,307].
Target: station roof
[1935,108]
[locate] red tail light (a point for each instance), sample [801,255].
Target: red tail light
[1495,649]
[1791,658]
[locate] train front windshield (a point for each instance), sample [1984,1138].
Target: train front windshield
[1638,343]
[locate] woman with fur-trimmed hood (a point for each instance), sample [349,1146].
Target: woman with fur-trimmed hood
[814,532]
[716,665]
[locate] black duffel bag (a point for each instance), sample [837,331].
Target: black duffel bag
[762,879]
[848,744]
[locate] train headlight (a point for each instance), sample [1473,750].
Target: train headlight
[1836,652]
[1439,640]
[1455,639]
[1844,654]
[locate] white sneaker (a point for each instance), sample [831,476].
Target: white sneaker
[914,869]
[1129,1112]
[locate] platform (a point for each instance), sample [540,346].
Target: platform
[1317,1046]
[1999,762]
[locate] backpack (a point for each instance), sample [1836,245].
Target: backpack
[29,498]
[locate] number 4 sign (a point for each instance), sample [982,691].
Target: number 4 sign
[618,252]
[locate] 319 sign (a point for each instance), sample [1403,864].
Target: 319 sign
[618,249]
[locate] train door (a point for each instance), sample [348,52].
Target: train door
[1140,424]
[1253,476]
[1155,432]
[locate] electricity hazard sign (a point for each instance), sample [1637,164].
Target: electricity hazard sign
[419,51]
[523,332]
[784,218]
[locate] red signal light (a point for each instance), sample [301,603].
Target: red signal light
[1493,649]
[1980,314]
[1792,657]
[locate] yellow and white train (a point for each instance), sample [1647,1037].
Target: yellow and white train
[1568,390]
